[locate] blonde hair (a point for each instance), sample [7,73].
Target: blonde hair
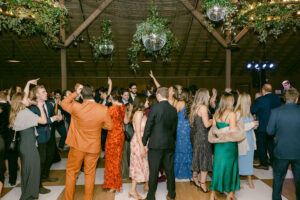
[226,103]
[201,98]
[16,106]
[243,105]
[291,95]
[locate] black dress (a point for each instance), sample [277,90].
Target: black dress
[202,149]
[30,158]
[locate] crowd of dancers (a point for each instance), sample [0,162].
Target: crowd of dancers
[175,132]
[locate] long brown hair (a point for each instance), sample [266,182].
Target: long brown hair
[201,98]
[138,104]
[226,103]
[186,97]
[16,106]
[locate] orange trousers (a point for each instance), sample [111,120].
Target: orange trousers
[74,163]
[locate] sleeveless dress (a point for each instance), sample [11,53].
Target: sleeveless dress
[225,175]
[114,149]
[30,158]
[246,161]
[183,148]
[139,166]
[202,149]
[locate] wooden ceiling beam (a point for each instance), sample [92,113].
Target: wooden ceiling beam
[200,18]
[239,36]
[87,22]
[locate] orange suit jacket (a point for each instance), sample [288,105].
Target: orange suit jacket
[87,120]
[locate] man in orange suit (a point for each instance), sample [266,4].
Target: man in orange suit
[87,120]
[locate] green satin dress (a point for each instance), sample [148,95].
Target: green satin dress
[225,176]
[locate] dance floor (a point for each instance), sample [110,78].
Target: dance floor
[185,191]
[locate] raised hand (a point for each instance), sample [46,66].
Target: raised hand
[34,81]
[151,74]
[109,81]
[78,88]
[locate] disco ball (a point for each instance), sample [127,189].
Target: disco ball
[106,48]
[154,42]
[216,13]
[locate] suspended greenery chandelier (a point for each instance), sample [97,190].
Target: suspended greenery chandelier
[30,17]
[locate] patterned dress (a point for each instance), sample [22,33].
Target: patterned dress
[202,149]
[139,167]
[183,148]
[114,149]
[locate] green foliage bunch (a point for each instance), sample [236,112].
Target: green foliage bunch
[106,38]
[30,17]
[265,17]
[269,19]
[153,24]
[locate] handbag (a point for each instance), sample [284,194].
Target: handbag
[128,132]
[13,143]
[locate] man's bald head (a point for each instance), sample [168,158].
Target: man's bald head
[267,88]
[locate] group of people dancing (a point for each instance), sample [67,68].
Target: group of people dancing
[184,132]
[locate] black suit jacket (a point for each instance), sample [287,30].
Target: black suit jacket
[262,108]
[285,125]
[4,118]
[44,130]
[161,127]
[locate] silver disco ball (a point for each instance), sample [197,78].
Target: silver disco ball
[154,42]
[216,13]
[106,49]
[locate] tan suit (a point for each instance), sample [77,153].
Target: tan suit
[84,138]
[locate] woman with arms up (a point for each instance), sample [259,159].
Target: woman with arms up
[225,134]
[114,144]
[23,120]
[247,146]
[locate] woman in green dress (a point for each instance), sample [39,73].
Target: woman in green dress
[225,166]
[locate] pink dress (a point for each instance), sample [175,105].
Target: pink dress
[139,167]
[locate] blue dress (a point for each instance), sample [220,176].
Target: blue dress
[183,148]
[246,161]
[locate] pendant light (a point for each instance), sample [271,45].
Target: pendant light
[205,59]
[13,58]
[79,60]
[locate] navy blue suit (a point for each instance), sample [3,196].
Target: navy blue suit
[262,108]
[284,124]
[46,140]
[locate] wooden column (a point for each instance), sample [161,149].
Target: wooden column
[228,59]
[63,57]
[228,69]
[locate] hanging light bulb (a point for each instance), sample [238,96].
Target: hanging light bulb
[154,41]
[216,13]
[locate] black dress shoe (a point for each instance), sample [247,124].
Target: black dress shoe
[44,190]
[169,198]
[262,167]
[49,179]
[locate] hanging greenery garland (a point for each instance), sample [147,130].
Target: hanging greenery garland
[266,17]
[103,46]
[153,27]
[43,17]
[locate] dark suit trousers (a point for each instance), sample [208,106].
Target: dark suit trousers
[265,144]
[12,158]
[155,158]
[47,153]
[60,127]
[280,167]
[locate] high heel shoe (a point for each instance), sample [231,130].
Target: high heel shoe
[135,196]
[207,190]
[192,182]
